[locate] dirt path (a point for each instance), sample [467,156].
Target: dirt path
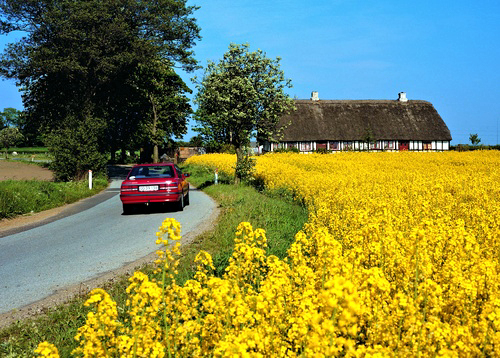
[23,171]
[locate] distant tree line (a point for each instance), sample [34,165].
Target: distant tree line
[476,145]
[467,147]
[196,141]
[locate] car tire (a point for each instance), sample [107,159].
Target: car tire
[128,209]
[180,203]
[186,199]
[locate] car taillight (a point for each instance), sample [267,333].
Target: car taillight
[169,185]
[129,188]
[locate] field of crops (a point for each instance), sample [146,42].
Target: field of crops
[400,257]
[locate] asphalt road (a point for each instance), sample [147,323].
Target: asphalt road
[84,245]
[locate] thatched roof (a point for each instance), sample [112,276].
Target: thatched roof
[353,119]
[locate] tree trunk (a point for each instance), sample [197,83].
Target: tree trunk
[113,155]
[123,155]
[156,158]
[146,154]
[239,159]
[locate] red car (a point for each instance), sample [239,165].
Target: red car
[154,183]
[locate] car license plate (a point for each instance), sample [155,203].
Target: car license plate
[148,188]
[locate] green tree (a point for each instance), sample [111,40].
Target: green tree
[16,118]
[474,139]
[196,141]
[241,96]
[11,117]
[167,108]
[9,136]
[77,63]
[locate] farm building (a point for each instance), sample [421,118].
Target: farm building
[187,152]
[363,125]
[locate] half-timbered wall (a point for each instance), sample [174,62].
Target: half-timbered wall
[380,145]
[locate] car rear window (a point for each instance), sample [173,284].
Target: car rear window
[161,171]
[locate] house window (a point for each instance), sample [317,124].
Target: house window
[334,145]
[375,145]
[348,146]
[427,145]
[389,144]
[305,146]
[292,145]
[321,145]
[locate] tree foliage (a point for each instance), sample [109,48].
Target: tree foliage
[242,96]
[9,136]
[76,148]
[474,139]
[82,63]
[167,114]
[196,141]
[10,117]
[15,118]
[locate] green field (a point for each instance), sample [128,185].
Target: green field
[27,154]
[27,150]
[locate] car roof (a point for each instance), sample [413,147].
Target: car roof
[154,164]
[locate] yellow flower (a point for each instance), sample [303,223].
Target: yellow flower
[399,257]
[47,350]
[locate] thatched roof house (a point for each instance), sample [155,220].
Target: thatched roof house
[350,124]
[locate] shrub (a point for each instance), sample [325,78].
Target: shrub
[322,151]
[287,150]
[245,168]
[76,150]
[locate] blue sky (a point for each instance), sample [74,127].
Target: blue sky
[445,52]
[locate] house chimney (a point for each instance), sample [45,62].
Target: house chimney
[402,97]
[314,96]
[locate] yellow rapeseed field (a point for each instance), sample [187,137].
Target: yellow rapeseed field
[400,257]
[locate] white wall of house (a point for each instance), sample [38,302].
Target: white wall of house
[380,145]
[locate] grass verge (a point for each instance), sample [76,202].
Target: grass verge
[19,197]
[280,218]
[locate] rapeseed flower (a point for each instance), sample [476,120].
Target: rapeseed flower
[399,257]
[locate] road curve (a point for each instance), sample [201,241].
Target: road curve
[46,259]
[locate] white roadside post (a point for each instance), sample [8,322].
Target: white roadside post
[90,179]
[216,176]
